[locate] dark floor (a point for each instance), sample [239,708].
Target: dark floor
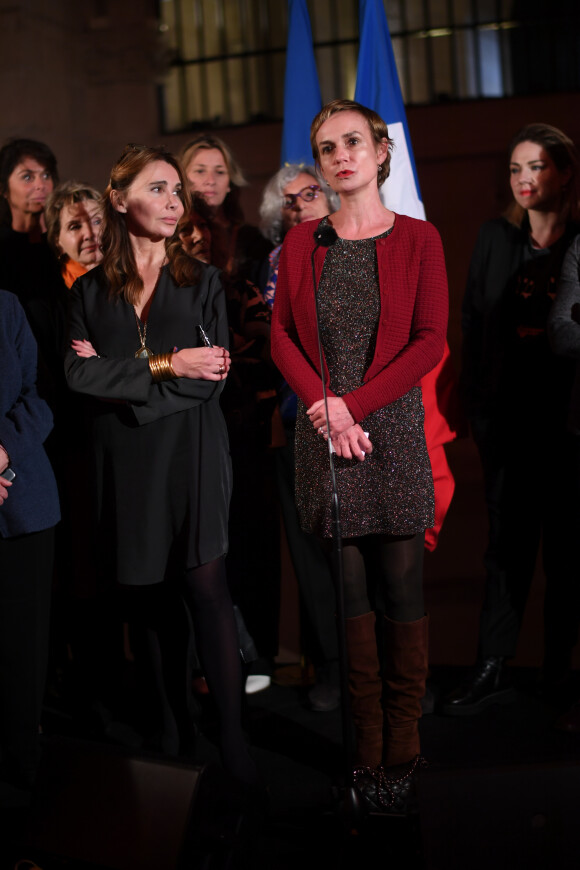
[502,789]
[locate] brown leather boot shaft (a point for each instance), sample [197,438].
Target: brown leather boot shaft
[404,674]
[365,687]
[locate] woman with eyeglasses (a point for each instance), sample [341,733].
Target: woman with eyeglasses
[160,442]
[382,296]
[293,195]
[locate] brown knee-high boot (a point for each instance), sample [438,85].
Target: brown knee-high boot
[365,687]
[404,674]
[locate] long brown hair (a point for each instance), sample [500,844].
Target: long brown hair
[565,156]
[119,263]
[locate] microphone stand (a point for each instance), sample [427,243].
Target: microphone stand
[351,809]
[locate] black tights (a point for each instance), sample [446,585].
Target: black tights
[384,573]
[208,598]
[166,636]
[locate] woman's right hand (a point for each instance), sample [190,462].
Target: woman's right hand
[206,363]
[352,444]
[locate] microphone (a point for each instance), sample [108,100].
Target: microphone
[325,236]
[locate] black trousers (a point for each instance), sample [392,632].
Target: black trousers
[532,486]
[26,564]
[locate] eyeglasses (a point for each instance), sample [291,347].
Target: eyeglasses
[307,194]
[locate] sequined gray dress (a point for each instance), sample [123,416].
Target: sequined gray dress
[391,492]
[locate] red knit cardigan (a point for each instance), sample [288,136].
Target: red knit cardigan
[412,325]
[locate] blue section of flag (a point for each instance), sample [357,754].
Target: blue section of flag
[377,86]
[302,100]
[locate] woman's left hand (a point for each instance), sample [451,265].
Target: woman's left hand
[352,444]
[83,348]
[339,417]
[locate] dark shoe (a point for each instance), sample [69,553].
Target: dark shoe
[390,791]
[324,697]
[488,686]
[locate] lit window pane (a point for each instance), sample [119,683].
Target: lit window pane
[462,12]
[420,92]
[415,15]
[443,73]
[438,13]
[490,64]
[465,60]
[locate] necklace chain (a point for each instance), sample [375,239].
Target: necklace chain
[142,351]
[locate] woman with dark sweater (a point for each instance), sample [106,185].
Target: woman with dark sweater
[29,511]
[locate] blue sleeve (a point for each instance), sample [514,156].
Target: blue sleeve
[27,423]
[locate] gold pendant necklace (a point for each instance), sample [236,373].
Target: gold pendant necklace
[143,352]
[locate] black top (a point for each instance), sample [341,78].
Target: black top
[31,271]
[507,362]
[161,450]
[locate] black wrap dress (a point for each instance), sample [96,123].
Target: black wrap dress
[161,452]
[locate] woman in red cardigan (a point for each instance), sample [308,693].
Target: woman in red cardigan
[382,295]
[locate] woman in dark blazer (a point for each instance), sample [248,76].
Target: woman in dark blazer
[29,511]
[161,450]
[516,394]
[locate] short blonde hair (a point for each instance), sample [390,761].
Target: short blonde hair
[378,128]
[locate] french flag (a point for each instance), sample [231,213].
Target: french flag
[302,100]
[377,86]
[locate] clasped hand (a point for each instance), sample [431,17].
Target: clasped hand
[348,438]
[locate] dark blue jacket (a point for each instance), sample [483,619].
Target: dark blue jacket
[25,421]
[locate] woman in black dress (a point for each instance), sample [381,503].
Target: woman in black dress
[161,448]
